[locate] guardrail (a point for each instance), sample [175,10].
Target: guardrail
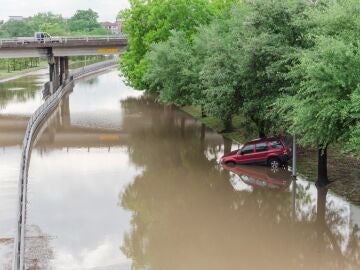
[34,123]
[35,120]
[28,40]
[87,70]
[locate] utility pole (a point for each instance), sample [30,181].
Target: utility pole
[294,157]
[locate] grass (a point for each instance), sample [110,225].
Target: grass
[4,74]
[239,134]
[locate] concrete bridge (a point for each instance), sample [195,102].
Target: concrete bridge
[58,50]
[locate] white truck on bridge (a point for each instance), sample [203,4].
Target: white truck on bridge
[39,37]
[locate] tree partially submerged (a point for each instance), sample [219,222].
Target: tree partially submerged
[271,38]
[222,44]
[322,108]
[171,72]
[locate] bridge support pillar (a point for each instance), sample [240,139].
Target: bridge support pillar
[66,66]
[56,79]
[54,73]
[51,62]
[62,70]
[58,70]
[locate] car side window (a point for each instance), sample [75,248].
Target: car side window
[247,149]
[261,147]
[276,144]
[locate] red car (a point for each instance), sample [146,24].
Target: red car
[270,151]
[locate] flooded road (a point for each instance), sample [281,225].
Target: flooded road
[118,181]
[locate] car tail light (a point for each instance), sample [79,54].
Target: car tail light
[285,151]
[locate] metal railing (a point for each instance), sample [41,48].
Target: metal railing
[69,39]
[30,135]
[86,70]
[35,120]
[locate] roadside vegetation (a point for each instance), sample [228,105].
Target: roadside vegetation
[279,66]
[11,67]
[83,22]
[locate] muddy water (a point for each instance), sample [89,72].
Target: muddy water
[118,181]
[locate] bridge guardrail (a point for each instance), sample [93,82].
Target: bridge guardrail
[27,40]
[34,123]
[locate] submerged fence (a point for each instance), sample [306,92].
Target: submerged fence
[34,123]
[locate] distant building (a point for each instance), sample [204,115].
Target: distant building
[17,18]
[113,27]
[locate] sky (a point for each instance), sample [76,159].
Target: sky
[107,9]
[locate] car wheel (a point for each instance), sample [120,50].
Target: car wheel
[274,163]
[230,163]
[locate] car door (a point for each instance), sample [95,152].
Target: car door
[246,154]
[261,152]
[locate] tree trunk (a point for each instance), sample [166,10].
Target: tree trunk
[203,114]
[262,134]
[228,124]
[227,145]
[322,166]
[262,130]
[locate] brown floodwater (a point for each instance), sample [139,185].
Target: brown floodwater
[118,181]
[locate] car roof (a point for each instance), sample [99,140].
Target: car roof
[264,140]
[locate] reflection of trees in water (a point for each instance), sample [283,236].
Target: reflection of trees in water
[186,215]
[19,90]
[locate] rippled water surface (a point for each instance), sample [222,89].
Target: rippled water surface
[118,181]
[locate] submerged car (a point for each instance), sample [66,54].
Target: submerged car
[270,151]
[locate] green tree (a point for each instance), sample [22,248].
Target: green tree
[324,108]
[222,42]
[48,22]
[204,71]
[84,21]
[15,28]
[272,37]
[148,22]
[353,143]
[171,70]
